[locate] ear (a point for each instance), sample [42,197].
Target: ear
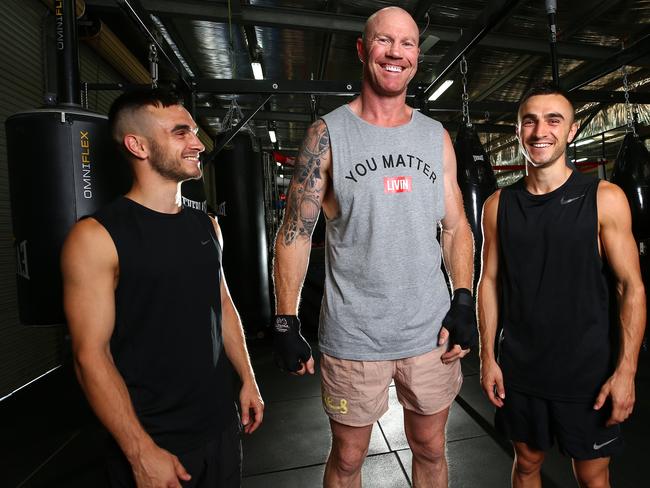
[361,50]
[136,145]
[572,132]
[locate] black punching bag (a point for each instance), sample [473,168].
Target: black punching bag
[193,194]
[632,173]
[477,182]
[239,189]
[62,166]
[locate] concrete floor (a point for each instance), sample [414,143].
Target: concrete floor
[51,439]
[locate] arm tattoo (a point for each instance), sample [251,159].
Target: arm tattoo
[305,191]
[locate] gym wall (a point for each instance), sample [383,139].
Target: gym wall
[28,352]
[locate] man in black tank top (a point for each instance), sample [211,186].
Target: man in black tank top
[155,333]
[550,241]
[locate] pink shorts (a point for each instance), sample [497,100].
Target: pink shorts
[355,393]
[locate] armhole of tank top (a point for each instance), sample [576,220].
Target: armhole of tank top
[599,244]
[332,175]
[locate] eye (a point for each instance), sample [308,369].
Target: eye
[408,44]
[554,121]
[382,40]
[527,122]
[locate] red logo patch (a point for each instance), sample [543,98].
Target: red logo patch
[397,184]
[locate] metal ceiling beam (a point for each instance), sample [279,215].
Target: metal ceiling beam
[303,118]
[493,13]
[350,88]
[140,17]
[593,71]
[293,18]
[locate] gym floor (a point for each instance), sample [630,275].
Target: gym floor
[51,439]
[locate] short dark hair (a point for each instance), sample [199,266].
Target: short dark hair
[137,99]
[546,88]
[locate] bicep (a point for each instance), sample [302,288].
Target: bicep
[615,234]
[89,263]
[454,212]
[490,251]
[308,185]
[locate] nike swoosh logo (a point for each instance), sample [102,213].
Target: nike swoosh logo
[566,200]
[598,446]
[203,243]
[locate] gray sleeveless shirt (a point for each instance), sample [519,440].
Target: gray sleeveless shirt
[385,294]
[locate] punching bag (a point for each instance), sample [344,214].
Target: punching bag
[240,212]
[62,166]
[477,182]
[632,173]
[193,194]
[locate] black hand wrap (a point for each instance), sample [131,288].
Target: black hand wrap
[460,321]
[290,347]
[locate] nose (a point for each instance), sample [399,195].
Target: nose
[196,143]
[395,50]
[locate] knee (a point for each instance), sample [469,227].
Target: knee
[528,463]
[592,478]
[348,458]
[430,448]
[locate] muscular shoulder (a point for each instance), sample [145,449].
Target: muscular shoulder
[612,202]
[491,206]
[88,243]
[315,146]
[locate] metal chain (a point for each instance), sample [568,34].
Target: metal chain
[628,107]
[465,96]
[153,65]
[84,95]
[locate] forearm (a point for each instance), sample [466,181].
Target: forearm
[289,270]
[458,254]
[109,398]
[632,316]
[234,342]
[487,305]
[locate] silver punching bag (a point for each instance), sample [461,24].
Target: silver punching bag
[62,166]
[240,211]
[476,181]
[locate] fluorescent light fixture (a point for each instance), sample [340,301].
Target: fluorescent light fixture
[584,141]
[428,43]
[581,160]
[272,136]
[441,89]
[278,164]
[257,70]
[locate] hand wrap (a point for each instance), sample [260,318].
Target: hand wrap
[290,347]
[460,321]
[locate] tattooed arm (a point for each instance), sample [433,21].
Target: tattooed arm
[293,242]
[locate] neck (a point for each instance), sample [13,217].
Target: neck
[545,179]
[380,110]
[163,196]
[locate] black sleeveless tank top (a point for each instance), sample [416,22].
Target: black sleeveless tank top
[167,341]
[555,302]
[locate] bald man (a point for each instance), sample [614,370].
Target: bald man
[385,177]
[150,314]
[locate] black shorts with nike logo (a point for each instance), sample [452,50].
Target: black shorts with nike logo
[580,430]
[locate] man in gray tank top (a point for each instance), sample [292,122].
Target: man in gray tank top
[385,176]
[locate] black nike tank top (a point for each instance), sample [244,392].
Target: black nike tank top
[555,304]
[167,341]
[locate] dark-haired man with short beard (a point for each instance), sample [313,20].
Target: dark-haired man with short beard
[549,240]
[151,317]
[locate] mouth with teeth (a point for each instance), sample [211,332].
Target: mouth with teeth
[392,68]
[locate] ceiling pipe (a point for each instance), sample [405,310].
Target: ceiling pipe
[110,48]
[67,53]
[493,14]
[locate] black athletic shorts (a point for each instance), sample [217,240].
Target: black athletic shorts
[580,430]
[216,463]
